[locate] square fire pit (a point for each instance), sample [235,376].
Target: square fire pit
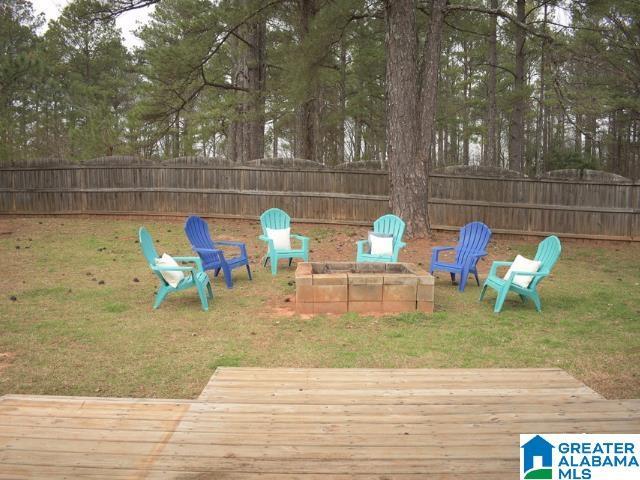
[340,287]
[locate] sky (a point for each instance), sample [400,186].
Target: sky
[127,22]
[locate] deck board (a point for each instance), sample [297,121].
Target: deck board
[308,423]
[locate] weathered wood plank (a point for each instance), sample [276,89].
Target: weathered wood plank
[308,423]
[580,209]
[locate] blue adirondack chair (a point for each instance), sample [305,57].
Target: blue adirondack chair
[548,253]
[275,218]
[472,245]
[390,225]
[213,258]
[197,278]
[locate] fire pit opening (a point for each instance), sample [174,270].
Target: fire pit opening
[340,287]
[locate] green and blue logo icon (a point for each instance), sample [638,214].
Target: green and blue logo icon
[579,456]
[536,459]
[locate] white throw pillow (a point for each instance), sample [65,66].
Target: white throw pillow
[522,264]
[381,244]
[281,238]
[173,278]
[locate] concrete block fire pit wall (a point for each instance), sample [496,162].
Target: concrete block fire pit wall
[340,287]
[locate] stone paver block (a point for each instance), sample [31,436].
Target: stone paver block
[371,267]
[426,307]
[304,293]
[426,279]
[398,307]
[330,293]
[365,279]
[330,279]
[400,279]
[399,293]
[425,293]
[304,268]
[365,307]
[365,293]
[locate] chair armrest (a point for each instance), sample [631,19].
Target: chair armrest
[435,252]
[304,240]
[196,260]
[241,246]
[528,274]
[169,268]
[207,250]
[401,244]
[270,245]
[495,265]
[361,244]
[228,243]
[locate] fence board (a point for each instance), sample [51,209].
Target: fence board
[583,209]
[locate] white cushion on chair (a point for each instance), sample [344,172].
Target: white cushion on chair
[173,278]
[281,238]
[381,244]
[522,264]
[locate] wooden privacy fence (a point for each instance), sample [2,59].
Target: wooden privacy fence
[509,205]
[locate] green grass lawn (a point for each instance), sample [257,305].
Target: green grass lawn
[74,320]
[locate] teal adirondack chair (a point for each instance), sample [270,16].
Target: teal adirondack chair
[548,253]
[391,225]
[275,218]
[197,278]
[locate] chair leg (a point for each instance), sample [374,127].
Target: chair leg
[209,291]
[482,292]
[475,273]
[464,275]
[160,296]
[266,259]
[453,277]
[249,271]
[536,302]
[274,266]
[216,272]
[290,260]
[502,295]
[203,297]
[522,297]
[227,276]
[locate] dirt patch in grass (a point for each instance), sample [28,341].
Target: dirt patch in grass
[81,324]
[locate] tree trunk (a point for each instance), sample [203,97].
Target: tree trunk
[465,110]
[245,138]
[491,151]
[407,174]
[256,83]
[307,116]
[429,82]
[516,129]
[343,101]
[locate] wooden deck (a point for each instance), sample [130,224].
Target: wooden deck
[307,423]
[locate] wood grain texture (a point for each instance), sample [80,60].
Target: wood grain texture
[579,209]
[284,423]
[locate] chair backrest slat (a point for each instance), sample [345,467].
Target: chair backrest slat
[197,232]
[390,225]
[474,237]
[274,218]
[149,250]
[548,253]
